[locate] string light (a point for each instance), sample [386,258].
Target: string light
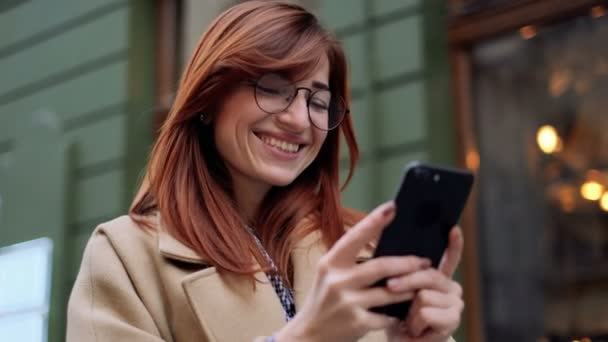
[548,140]
[604,201]
[592,190]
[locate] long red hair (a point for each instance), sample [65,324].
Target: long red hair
[187,182]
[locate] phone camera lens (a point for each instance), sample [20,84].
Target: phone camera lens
[436,177]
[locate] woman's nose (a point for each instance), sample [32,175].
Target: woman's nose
[296,115]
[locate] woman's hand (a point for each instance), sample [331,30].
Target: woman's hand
[337,306]
[437,306]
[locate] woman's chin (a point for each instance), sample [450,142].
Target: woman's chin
[280,179]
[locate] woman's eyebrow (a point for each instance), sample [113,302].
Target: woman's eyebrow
[320,85]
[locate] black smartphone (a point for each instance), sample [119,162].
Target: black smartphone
[429,203]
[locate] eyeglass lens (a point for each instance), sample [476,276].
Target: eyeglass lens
[275,93]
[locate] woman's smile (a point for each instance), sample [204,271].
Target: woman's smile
[279,147]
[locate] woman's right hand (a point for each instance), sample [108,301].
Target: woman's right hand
[337,307]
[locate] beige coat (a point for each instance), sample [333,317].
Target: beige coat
[135,286]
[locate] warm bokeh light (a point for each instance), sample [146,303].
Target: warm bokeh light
[548,140]
[528,32]
[592,190]
[559,82]
[567,200]
[472,160]
[604,201]
[593,175]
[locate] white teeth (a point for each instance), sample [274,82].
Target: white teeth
[280,144]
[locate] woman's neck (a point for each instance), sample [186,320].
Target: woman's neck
[248,195]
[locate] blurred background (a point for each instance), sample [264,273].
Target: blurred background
[515,90]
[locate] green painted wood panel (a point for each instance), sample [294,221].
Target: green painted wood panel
[391,169]
[99,196]
[362,123]
[354,47]
[338,14]
[383,7]
[357,194]
[77,241]
[141,90]
[438,85]
[34,191]
[101,141]
[5,160]
[92,66]
[104,87]
[361,118]
[36,16]
[34,179]
[402,115]
[397,48]
[60,53]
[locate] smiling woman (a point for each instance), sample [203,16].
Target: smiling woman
[238,232]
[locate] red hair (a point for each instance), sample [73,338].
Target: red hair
[187,182]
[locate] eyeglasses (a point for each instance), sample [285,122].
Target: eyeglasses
[275,93]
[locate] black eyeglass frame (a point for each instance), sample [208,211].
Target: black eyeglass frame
[311,93]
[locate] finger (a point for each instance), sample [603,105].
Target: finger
[375,321]
[346,249]
[429,278]
[453,253]
[378,296]
[437,320]
[433,298]
[372,271]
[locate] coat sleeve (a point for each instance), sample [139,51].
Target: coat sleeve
[104,305]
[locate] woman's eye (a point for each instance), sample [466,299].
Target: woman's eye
[319,105]
[269,90]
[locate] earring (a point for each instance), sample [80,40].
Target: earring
[202,117]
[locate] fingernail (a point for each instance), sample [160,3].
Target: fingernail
[388,209]
[393,284]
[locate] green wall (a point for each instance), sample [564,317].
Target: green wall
[88,66]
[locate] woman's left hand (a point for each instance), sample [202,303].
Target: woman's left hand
[436,309]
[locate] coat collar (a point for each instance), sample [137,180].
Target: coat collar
[227,306]
[171,248]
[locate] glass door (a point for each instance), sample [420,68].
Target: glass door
[540,121]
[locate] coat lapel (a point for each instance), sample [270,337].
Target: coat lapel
[226,306]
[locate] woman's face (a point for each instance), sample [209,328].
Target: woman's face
[268,149]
